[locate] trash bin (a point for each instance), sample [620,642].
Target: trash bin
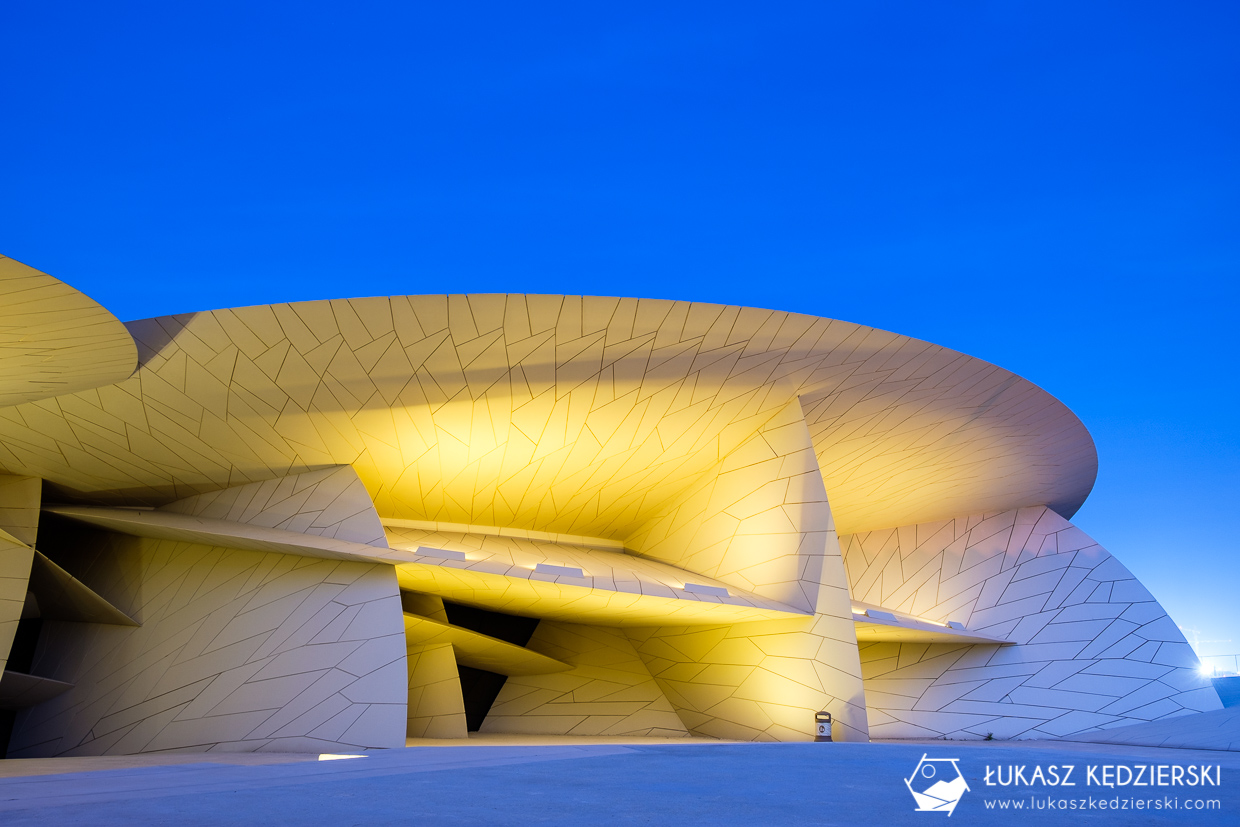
[823,722]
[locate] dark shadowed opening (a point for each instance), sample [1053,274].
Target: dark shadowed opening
[480,688]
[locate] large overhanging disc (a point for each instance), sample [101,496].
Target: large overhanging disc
[54,339]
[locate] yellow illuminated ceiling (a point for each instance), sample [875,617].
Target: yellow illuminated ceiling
[501,573]
[581,602]
[561,414]
[489,571]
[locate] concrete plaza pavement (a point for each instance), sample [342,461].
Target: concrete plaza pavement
[586,781]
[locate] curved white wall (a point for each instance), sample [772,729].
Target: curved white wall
[1092,648]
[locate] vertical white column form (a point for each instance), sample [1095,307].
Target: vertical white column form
[762,523]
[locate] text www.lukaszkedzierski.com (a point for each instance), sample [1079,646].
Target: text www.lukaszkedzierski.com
[1090,803]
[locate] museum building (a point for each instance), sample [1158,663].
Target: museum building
[332,526]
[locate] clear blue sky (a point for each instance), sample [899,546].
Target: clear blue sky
[1051,186]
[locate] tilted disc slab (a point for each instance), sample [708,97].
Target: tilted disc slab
[55,340]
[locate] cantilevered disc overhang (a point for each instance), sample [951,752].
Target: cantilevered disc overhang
[566,414]
[54,339]
[613,588]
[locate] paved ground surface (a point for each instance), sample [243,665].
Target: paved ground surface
[61,766]
[599,783]
[479,739]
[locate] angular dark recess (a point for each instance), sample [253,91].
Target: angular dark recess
[480,688]
[25,643]
[21,657]
[509,628]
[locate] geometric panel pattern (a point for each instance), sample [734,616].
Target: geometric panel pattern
[239,651]
[1217,730]
[759,522]
[607,692]
[477,650]
[331,502]
[762,523]
[1092,648]
[436,709]
[15,562]
[58,595]
[497,569]
[20,498]
[614,588]
[19,522]
[163,524]
[874,623]
[55,340]
[648,478]
[758,681]
[567,414]
[18,690]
